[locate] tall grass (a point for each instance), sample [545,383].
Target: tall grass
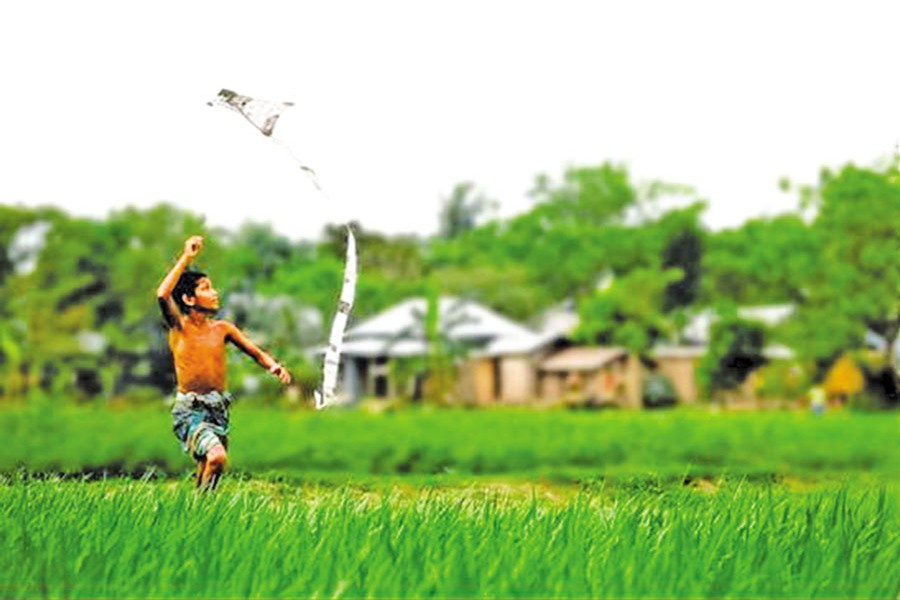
[163,540]
[463,442]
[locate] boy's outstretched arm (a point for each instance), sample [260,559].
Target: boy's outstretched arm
[237,337]
[164,293]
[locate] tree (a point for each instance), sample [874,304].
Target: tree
[253,254]
[856,282]
[590,196]
[397,256]
[576,230]
[683,241]
[735,350]
[656,275]
[13,329]
[764,261]
[592,222]
[629,312]
[86,312]
[506,289]
[461,210]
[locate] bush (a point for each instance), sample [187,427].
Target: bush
[735,350]
[782,380]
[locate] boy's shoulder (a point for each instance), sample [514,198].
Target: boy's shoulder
[215,325]
[224,325]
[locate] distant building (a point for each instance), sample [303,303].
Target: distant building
[495,365]
[504,361]
[590,375]
[608,375]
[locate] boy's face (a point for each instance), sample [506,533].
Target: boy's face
[206,297]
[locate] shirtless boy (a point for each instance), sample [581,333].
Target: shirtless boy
[200,416]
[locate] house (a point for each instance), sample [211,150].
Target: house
[679,365]
[607,375]
[588,375]
[500,361]
[382,356]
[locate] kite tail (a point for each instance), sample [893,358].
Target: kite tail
[331,364]
[336,338]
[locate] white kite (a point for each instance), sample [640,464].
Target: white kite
[263,115]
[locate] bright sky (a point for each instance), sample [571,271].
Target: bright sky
[104,103]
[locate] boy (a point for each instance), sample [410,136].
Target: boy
[188,303]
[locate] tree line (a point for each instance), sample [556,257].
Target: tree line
[77,315]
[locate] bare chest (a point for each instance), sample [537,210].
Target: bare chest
[207,341]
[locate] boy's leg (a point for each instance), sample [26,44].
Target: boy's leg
[201,467]
[214,466]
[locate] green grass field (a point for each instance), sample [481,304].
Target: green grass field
[454,503]
[144,539]
[564,445]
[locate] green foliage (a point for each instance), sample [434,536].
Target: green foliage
[390,269]
[439,361]
[84,320]
[398,257]
[783,380]
[78,539]
[765,261]
[593,222]
[576,230]
[857,281]
[508,289]
[683,489]
[735,349]
[643,305]
[405,371]
[254,253]
[314,278]
[98,279]
[587,196]
[629,312]
[684,252]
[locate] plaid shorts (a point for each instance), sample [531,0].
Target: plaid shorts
[200,421]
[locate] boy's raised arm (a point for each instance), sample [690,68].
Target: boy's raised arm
[237,337]
[164,293]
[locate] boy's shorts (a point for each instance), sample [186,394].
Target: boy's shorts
[200,421]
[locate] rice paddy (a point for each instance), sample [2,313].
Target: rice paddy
[674,504]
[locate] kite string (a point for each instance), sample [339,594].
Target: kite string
[343,211]
[331,362]
[303,166]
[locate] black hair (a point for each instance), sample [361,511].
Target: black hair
[186,286]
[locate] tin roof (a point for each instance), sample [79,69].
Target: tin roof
[582,358]
[373,347]
[460,318]
[400,330]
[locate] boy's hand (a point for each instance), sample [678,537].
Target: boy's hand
[193,246]
[281,373]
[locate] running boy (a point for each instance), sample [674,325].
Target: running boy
[200,416]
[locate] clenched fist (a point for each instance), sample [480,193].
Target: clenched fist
[193,246]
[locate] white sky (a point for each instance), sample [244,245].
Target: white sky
[103,103]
